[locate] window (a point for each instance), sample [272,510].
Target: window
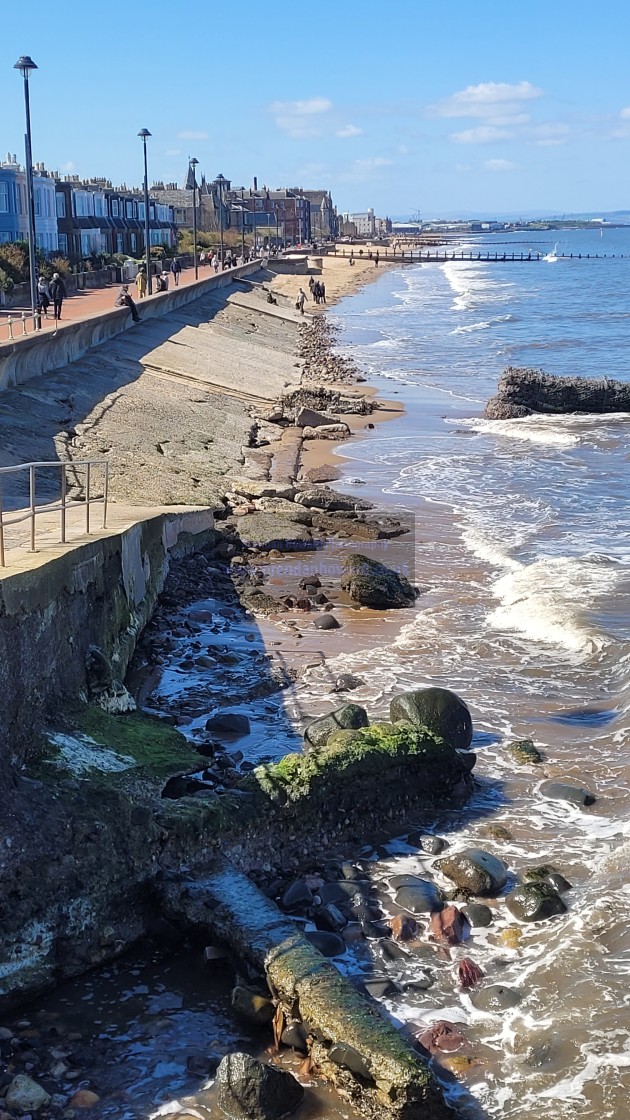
[4,198]
[115,211]
[38,203]
[141,211]
[130,209]
[152,213]
[60,202]
[119,240]
[100,208]
[134,242]
[63,239]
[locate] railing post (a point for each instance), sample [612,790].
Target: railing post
[24,331]
[31,475]
[63,503]
[10,322]
[105,494]
[87,500]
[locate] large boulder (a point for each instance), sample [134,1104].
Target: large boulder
[437,709]
[533,902]
[25,1095]
[310,418]
[522,391]
[474,871]
[250,1090]
[264,531]
[349,718]
[372,584]
[566,791]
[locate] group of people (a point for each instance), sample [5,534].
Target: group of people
[50,292]
[318,290]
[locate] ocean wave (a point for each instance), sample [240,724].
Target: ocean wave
[539,429]
[483,325]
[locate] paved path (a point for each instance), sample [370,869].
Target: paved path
[82,305]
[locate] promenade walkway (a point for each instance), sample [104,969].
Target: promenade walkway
[82,305]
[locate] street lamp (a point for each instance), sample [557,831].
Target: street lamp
[25,64]
[192,164]
[221,180]
[243,223]
[144,134]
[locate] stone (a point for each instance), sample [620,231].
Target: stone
[448,925]
[380,988]
[264,531]
[330,918]
[474,871]
[496,998]
[346,682]
[84,1098]
[250,1090]
[310,581]
[327,431]
[251,1006]
[439,710]
[352,717]
[418,896]
[372,584]
[326,621]
[523,750]
[534,902]
[297,896]
[328,944]
[310,418]
[522,391]
[344,1055]
[468,973]
[432,845]
[295,1036]
[495,832]
[25,1095]
[564,791]
[441,1036]
[548,874]
[231,725]
[323,498]
[404,927]
[477,914]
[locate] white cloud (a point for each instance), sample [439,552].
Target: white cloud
[296,117]
[463,168]
[173,152]
[483,134]
[403,149]
[549,135]
[349,130]
[371,164]
[189,134]
[499,165]
[625,113]
[487,99]
[69,166]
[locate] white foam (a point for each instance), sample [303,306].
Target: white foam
[483,325]
[540,429]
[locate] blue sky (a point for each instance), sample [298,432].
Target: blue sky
[407,106]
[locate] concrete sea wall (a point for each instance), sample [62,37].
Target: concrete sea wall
[36,354]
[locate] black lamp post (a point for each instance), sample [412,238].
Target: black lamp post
[192,164]
[25,64]
[144,134]
[243,223]
[221,180]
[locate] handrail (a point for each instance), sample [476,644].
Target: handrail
[60,506]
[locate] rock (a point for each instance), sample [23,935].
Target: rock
[468,973]
[441,1036]
[84,1098]
[432,845]
[495,832]
[351,872]
[297,896]
[252,1006]
[25,1095]
[522,391]
[534,902]
[264,531]
[323,473]
[448,925]
[346,682]
[439,710]
[372,584]
[329,944]
[496,998]
[548,874]
[477,914]
[380,987]
[295,1036]
[331,919]
[523,750]
[214,955]
[323,498]
[310,418]
[327,431]
[511,937]
[343,1055]
[228,725]
[326,621]
[564,791]
[404,927]
[474,871]
[249,1090]
[287,510]
[351,717]
[418,896]
[310,581]
[251,488]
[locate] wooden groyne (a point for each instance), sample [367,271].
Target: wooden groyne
[419,256]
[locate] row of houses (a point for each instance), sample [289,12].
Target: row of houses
[77,218]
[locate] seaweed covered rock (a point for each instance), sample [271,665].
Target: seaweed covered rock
[439,710]
[474,871]
[351,717]
[524,751]
[534,901]
[372,584]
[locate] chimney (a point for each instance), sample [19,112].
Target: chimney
[255,182]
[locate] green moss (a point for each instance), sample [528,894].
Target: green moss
[371,750]
[157,748]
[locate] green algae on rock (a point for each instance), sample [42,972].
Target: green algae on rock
[524,751]
[439,710]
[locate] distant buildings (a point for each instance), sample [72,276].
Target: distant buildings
[364,224]
[13,205]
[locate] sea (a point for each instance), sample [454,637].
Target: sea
[521,548]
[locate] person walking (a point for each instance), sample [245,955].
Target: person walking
[322,292]
[141,283]
[43,296]
[215,262]
[57,293]
[176,269]
[299,303]
[311,284]
[123,299]
[376,259]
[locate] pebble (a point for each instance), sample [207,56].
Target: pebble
[326,621]
[84,1098]
[564,791]
[496,998]
[328,944]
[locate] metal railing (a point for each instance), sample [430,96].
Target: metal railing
[62,506]
[27,321]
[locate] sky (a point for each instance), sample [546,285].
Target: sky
[411,106]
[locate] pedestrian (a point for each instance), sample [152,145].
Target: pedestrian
[164,278]
[322,293]
[376,259]
[43,296]
[299,303]
[123,299]
[57,293]
[215,262]
[311,284]
[141,283]
[202,259]
[176,269]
